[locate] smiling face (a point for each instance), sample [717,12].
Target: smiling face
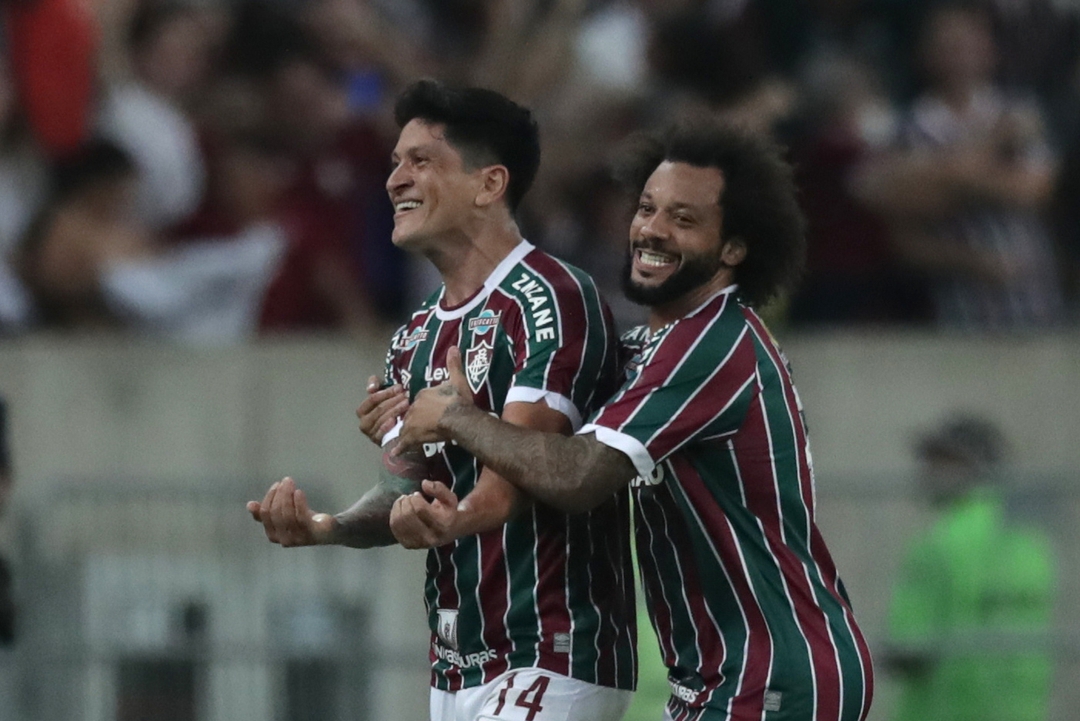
[675,249]
[432,190]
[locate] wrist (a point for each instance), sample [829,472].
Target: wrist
[325,529]
[454,418]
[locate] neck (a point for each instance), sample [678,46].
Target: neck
[662,315]
[465,262]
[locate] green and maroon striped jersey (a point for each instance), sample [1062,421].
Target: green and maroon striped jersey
[546,590]
[752,618]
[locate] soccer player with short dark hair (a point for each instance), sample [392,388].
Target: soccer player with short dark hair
[708,431]
[531,610]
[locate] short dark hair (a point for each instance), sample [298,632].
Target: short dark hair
[150,17]
[98,160]
[483,125]
[758,201]
[264,38]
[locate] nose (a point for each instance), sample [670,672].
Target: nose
[398,180]
[653,227]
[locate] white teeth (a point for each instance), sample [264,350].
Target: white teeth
[654,259]
[407,205]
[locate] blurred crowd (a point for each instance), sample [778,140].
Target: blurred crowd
[210,170]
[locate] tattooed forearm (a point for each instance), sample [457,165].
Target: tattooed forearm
[367,522]
[573,473]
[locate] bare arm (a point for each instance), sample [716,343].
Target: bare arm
[931,185]
[367,522]
[288,521]
[572,474]
[418,523]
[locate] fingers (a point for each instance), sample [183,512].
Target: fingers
[372,384]
[404,524]
[410,522]
[457,372]
[264,513]
[441,493]
[284,515]
[378,413]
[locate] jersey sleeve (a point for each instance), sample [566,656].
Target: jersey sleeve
[563,345]
[695,383]
[391,370]
[392,374]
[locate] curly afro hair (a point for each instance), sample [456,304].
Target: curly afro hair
[758,201]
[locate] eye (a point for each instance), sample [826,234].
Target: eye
[683,220]
[645,208]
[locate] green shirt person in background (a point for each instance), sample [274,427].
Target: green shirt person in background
[971,611]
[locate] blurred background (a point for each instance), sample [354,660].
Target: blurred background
[196,280]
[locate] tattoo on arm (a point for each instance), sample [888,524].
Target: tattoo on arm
[573,473]
[366,523]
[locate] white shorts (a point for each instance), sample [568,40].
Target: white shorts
[531,694]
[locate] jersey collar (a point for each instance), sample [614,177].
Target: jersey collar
[497,276]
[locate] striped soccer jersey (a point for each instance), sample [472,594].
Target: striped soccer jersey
[753,621]
[547,590]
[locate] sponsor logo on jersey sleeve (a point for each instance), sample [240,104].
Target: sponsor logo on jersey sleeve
[413,339]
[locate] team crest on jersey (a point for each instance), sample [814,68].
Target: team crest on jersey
[484,322]
[447,629]
[477,364]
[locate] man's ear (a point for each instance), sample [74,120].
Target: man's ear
[495,181]
[733,252]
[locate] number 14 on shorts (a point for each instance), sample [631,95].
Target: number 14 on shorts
[532,694]
[523,702]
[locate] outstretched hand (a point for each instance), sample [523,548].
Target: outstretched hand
[430,405]
[286,518]
[418,523]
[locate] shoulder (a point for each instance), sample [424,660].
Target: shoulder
[722,321]
[541,274]
[411,328]
[719,334]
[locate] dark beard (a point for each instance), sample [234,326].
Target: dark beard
[694,272]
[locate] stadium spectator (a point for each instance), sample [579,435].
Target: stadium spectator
[169,48]
[91,263]
[971,610]
[965,195]
[340,270]
[22,190]
[87,221]
[53,49]
[852,275]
